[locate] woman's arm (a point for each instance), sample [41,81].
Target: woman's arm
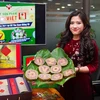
[93,66]
[81,69]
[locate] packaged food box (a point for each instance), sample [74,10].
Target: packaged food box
[13,86]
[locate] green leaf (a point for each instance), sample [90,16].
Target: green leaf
[58,53]
[58,36]
[44,53]
[31,66]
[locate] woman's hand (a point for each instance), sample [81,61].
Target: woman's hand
[77,69]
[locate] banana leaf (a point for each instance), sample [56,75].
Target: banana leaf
[44,53]
[56,53]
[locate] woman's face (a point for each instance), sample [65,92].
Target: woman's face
[76,26]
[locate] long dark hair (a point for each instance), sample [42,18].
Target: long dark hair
[86,52]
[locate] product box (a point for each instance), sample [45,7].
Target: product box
[13,86]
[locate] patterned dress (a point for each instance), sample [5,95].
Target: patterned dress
[80,87]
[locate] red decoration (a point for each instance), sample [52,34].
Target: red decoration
[28,59]
[9,6]
[1,82]
[21,83]
[5,50]
[2,90]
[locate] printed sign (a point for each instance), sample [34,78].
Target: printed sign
[17,23]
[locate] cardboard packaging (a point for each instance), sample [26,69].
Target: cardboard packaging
[13,86]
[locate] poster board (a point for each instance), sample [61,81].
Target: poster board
[10,56]
[18,23]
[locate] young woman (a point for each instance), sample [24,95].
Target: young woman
[78,44]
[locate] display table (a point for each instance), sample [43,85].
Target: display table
[46,94]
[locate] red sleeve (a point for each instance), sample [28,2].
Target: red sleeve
[93,66]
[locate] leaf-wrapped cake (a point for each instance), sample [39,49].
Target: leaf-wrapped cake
[51,67]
